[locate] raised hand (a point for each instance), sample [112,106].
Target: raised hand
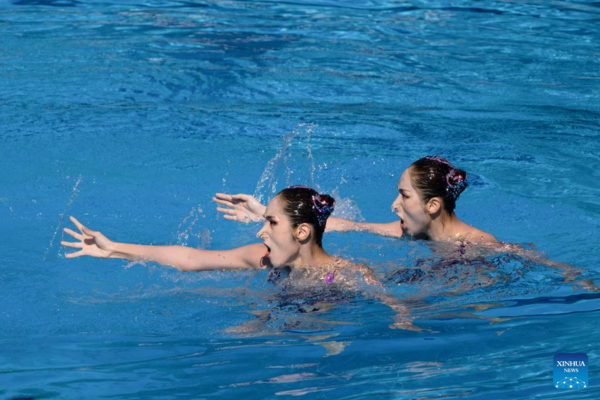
[91,243]
[241,207]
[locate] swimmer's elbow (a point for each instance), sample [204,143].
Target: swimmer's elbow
[193,261]
[186,267]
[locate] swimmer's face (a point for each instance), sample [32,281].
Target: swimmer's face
[278,235]
[410,207]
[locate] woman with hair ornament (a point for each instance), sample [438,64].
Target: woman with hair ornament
[294,222]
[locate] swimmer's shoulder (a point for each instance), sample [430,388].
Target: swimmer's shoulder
[342,263]
[479,237]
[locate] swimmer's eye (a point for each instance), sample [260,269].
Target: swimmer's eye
[272,223]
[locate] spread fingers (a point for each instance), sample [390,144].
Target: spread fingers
[77,245]
[222,202]
[74,255]
[223,196]
[78,224]
[73,233]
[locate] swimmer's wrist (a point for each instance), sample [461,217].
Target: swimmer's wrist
[115,250]
[133,252]
[260,216]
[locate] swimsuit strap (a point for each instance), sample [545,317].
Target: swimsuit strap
[329,278]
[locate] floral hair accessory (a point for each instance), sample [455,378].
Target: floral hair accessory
[455,181]
[321,208]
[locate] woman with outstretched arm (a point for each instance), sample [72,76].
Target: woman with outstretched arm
[427,194]
[292,235]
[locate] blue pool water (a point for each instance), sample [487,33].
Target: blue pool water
[130,115]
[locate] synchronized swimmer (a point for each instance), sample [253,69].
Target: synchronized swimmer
[294,223]
[292,233]
[427,195]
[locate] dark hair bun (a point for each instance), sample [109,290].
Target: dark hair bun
[304,205]
[323,205]
[457,182]
[434,176]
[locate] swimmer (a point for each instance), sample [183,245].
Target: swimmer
[427,194]
[295,220]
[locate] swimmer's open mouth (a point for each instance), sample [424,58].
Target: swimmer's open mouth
[268,250]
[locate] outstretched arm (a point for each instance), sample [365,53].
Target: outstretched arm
[245,208]
[390,229]
[95,244]
[569,272]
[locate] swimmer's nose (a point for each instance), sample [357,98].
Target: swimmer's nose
[260,233]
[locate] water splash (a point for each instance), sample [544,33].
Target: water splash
[301,136]
[185,230]
[311,158]
[226,176]
[62,216]
[267,183]
[135,262]
[346,208]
